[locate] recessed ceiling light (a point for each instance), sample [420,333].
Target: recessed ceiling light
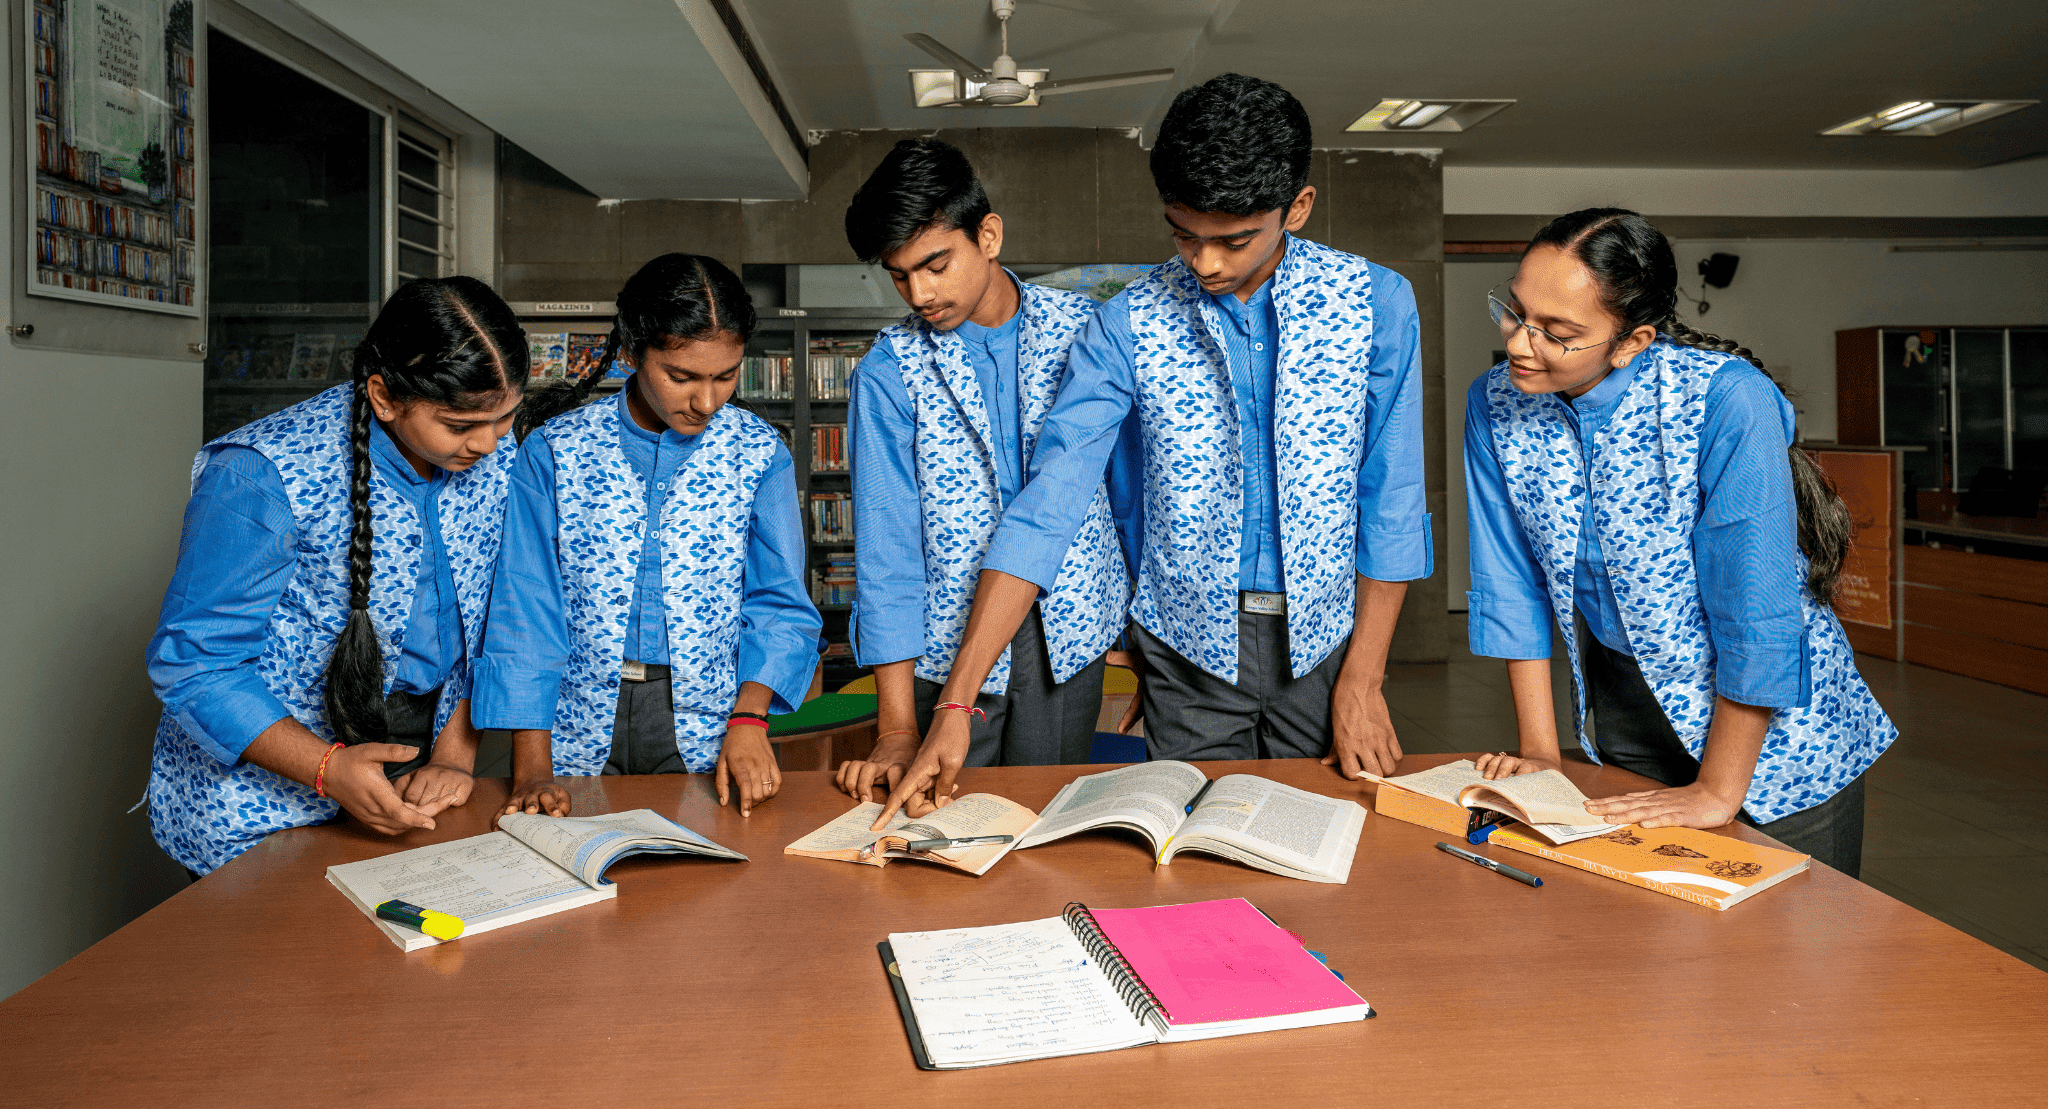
[1427,115]
[937,88]
[1926,118]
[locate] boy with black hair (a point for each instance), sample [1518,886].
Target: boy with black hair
[1276,386]
[946,410]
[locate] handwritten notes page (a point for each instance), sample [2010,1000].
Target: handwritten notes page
[1011,992]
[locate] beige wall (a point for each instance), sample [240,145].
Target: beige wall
[95,458]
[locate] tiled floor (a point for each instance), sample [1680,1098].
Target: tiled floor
[1957,819]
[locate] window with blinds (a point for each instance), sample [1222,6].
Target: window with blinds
[423,200]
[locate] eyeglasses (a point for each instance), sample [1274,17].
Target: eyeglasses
[1510,321]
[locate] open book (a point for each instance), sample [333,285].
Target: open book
[1113,978]
[532,866]
[850,838]
[1547,802]
[1244,818]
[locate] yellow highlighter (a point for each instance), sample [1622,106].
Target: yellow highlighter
[441,926]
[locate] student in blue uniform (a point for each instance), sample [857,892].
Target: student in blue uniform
[947,407]
[313,654]
[650,608]
[1634,480]
[1276,384]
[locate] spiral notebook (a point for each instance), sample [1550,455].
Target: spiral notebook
[1106,979]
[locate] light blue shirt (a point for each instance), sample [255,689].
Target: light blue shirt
[235,558]
[1747,533]
[888,617]
[1096,413]
[526,644]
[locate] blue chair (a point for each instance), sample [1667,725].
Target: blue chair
[1115,747]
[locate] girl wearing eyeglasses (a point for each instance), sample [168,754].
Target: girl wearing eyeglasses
[1635,479]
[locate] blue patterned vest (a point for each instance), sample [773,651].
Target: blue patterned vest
[1194,494]
[205,812]
[958,500]
[601,505]
[1645,472]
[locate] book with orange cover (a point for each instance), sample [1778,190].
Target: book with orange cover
[1698,866]
[1440,799]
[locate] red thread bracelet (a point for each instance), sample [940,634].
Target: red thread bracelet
[968,709]
[320,775]
[746,717]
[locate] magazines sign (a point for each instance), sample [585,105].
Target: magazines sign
[113,169]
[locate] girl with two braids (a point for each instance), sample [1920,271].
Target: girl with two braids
[1635,480]
[650,607]
[313,653]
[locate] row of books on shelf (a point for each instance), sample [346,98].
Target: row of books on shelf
[304,356]
[63,250]
[832,517]
[768,377]
[828,448]
[832,584]
[559,355]
[96,216]
[832,376]
[177,293]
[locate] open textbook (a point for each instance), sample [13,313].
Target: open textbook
[1438,798]
[1243,818]
[850,838]
[532,866]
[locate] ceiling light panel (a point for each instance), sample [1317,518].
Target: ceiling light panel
[936,88]
[1927,118]
[1427,115]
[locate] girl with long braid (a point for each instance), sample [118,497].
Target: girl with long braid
[1635,479]
[650,608]
[313,653]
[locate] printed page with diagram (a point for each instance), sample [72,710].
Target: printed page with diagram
[1011,992]
[1149,797]
[486,881]
[586,845]
[848,837]
[1273,827]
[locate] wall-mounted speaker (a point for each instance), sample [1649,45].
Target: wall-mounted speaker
[1718,270]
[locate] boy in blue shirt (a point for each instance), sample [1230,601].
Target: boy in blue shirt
[1276,385]
[947,408]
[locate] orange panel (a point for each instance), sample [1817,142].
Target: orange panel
[1988,659]
[2015,579]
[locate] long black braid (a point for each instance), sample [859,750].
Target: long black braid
[1638,278]
[447,341]
[674,299]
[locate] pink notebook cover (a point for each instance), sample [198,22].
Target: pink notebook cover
[1221,960]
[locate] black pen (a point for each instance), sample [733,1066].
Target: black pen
[1199,794]
[1525,879]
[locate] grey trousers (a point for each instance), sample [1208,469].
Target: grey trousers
[1630,730]
[1267,714]
[1037,721]
[644,731]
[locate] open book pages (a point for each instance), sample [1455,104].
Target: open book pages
[588,845]
[1244,818]
[530,867]
[849,837]
[1548,801]
[486,881]
[1011,992]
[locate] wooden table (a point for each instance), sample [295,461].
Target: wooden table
[757,983]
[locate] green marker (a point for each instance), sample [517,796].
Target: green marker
[441,926]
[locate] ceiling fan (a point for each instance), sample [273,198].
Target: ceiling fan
[999,83]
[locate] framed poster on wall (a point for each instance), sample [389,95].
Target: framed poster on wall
[114,165]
